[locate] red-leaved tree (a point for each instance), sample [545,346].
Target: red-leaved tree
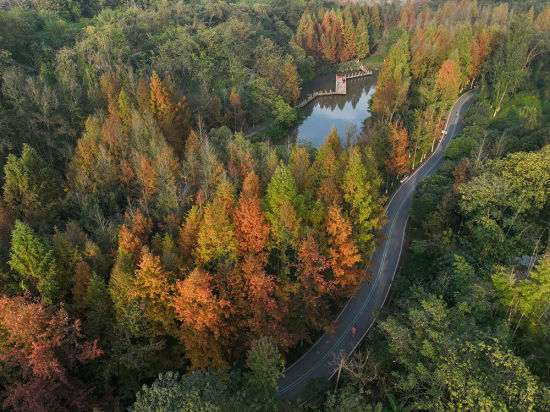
[312,270]
[41,350]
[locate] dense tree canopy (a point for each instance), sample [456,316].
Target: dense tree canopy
[151,221]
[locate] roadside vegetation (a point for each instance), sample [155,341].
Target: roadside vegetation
[467,324]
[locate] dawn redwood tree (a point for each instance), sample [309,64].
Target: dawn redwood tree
[236,115]
[375,23]
[7,221]
[41,349]
[143,94]
[153,291]
[349,50]
[299,165]
[398,161]
[362,39]
[448,83]
[312,270]
[147,179]
[281,201]
[336,36]
[252,229]
[36,265]
[29,187]
[360,187]
[113,136]
[407,17]
[266,311]
[192,160]
[305,33]
[393,81]
[188,236]
[216,242]
[327,169]
[331,37]
[333,140]
[172,115]
[241,160]
[81,280]
[91,170]
[343,255]
[125,111]
[134,234]
[110,86]
[462,57]
[479,50]
[99,313]
[202,314]
[292,80]
[542,21]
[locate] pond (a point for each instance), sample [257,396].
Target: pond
[347,112]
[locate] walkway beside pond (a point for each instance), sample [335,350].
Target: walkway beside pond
[340,88]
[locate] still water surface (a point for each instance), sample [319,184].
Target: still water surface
[347,112]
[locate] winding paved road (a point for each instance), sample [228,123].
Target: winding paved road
[360,311]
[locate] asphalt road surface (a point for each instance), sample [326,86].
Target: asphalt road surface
[361,309]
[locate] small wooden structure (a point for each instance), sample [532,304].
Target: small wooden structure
[341,85]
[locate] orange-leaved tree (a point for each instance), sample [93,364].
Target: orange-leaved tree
[202,314]
[236,115]
[398,161]
[252,230]
[312,270]
[251,225]
[188,236]
[134,234]
[479,50]
[343,254]
[542,22]
[291,80]
[172,115]
[448,83]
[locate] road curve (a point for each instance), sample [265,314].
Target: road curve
[361,309]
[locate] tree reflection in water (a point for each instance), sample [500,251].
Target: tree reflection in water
[344,112]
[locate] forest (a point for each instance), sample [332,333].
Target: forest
[164,247]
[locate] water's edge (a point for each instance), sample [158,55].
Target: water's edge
[347,112]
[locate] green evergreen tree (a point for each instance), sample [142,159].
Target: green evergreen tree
[394,80]
[99,308]
[29,187]
[362,39]
[36,265]
[281,202]
[360,188]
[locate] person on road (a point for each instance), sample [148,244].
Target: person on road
[353,331]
